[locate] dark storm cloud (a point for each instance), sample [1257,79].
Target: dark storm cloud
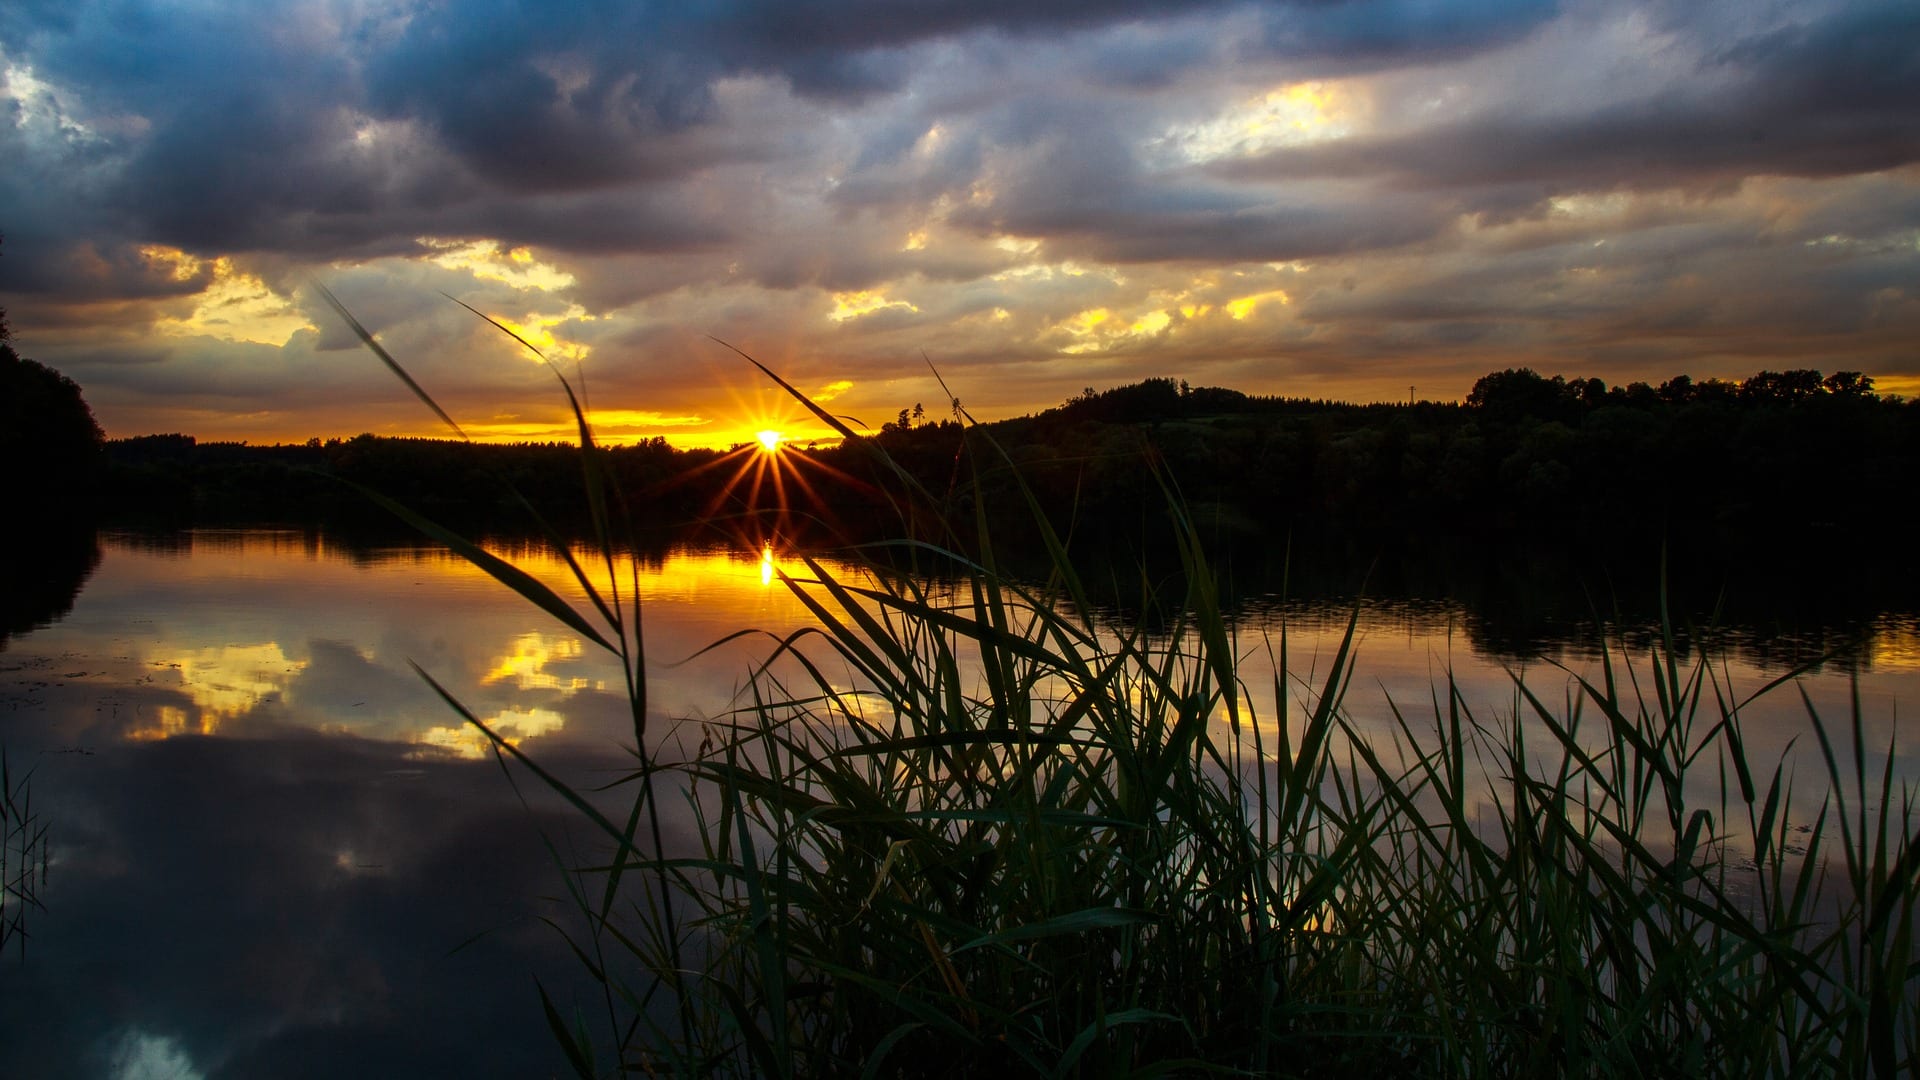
[1833,98]
[594,222]
[254,123]
[1073,176]
[1135,223]
[54,202]
[539,98]
[252,131]
[567,126]
[1143,57]
[1348,33]
[222,127]
[767,29]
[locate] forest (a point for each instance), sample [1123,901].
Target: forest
[1782,465]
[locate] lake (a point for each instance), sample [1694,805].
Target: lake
[272,850]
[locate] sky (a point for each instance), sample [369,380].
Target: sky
[899,202]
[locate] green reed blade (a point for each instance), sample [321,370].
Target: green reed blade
[528,586]
[366,338]
[578,1050]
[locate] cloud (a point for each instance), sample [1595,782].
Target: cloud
[1818,100]
[1375,32]
[746,170]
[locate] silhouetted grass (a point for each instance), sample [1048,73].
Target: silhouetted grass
[24,854]
[955,828]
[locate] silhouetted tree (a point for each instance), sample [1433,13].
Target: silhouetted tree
[1848,384]
[49,442]
[1782,387]
[1520,392]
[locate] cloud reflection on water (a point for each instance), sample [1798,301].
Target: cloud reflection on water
[271,841]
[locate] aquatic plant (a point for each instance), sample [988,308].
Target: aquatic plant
[25,854]
[968,822]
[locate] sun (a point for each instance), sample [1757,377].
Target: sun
[766,493]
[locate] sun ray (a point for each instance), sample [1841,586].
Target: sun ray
[765,493]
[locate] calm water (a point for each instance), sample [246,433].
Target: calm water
[275,852]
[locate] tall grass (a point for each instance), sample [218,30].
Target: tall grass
[25,855]
[965,823]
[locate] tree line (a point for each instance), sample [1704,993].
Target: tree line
[1784,461]
[1791,451]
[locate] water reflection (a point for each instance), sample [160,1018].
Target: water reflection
[245,633]
[238,762]
[250,632]
[301,906]
[41,571]
[1894,644]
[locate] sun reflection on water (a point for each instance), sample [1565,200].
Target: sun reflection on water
[248,634]
[264,631]
[1896,644]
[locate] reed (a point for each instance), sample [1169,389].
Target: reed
[25,855]
[967,823]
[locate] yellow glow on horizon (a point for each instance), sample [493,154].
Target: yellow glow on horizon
[769,440]
[832,390]
[615,419]
[748,435]
[854,305]
[234,305]
[1244,306]
[611,427]
[1907,386]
